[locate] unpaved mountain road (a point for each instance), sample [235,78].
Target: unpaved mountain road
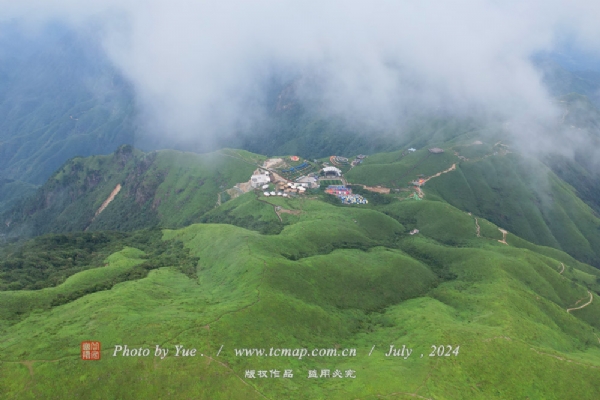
[582,306]
[452,168]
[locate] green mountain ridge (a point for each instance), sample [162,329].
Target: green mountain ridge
[517,193]
[167,187]
[172,189]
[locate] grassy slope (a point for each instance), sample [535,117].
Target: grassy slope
[395,170]
[518,194]
[525,198]
[326,280]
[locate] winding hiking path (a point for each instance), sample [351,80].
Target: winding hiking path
[411,169]
[582,306]
[280,210]
[478,229]
[420,192]
[274,207]
[452,168]
[563,268]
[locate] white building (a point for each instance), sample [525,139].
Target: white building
[308,181]
[259,180]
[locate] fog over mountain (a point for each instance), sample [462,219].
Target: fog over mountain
[200,69]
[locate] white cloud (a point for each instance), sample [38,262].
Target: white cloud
[198,66]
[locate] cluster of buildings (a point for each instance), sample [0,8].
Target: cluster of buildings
[273,184]
[345,194]
[267,194]
[292,187]
[338,190]
[286,189]
[353,199]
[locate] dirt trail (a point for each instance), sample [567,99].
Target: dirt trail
[418,188]
[274,207]
[278,209]
[503,236]
[477,227]
[452,168]
[563,268]
[376,189]
[563,358]
[585,305]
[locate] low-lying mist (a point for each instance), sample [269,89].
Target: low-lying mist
[203,71]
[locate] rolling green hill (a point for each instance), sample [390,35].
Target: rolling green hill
[527,199]
[335,277]
[517,193]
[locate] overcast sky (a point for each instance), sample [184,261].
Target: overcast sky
[199,67]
